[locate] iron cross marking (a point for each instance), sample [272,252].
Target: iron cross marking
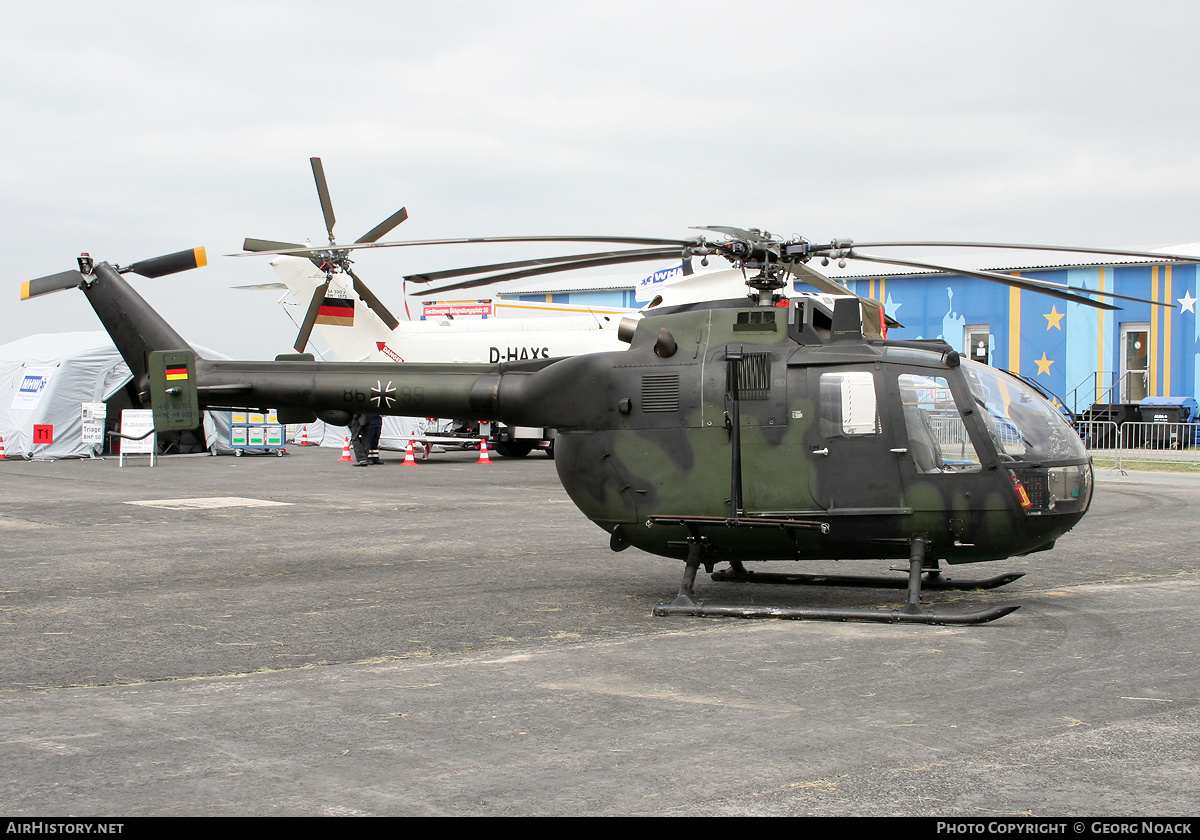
[382,394]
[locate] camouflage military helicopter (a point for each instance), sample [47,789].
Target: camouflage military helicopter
[752,429]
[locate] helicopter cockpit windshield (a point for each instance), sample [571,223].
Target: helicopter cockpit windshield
[1023,425]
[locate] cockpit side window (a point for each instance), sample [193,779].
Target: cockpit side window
[849,407]
[937,437]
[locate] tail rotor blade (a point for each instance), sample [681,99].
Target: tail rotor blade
[384,227]
[50,283]
[323,192]
[169,264]
[310,317]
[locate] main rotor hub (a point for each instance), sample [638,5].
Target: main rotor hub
[758,251]
[332,261]
[770,279]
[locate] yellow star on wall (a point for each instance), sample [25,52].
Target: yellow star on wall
[1054,318]
[1043,364]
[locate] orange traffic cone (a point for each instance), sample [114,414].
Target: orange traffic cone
[346,451]
[304,435]
[2,458]
[483,453]
[409,458]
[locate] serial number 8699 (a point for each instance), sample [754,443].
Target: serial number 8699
[386,397]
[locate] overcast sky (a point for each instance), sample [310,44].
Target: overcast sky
[133,129]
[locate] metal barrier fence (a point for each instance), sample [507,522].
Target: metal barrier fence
[948,430]
[1111,444]
[1133,443]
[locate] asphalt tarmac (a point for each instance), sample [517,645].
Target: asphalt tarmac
[458,639]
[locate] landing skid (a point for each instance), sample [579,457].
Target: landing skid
[933,579]
[911,613]
[819,614]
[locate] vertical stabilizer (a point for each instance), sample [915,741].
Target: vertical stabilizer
[135,328]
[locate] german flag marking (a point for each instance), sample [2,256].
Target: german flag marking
[177,373]
[338,312]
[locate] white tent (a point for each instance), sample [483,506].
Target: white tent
[45,379]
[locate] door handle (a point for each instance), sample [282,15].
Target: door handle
[824,451]
[900,451]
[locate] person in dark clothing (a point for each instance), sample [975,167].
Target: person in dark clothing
[375,430]
[364,438]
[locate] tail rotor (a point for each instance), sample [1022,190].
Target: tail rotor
[85,274]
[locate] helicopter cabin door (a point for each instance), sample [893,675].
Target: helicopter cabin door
[852,457]
[748,388]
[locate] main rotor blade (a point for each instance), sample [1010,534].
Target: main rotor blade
[873,310]
[1117,252]
[169,263]
[616,240]
[429,277]
[323,192]
[1100,293]
[629,257]
[50,283]
[818,280]
[368,297]
[1006,279]
[266,245]
[310,317]
[383,227]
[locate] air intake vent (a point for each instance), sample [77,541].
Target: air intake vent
[754,376]
[660,392]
